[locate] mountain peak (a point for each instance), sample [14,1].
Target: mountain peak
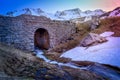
[115,12]
[75,9]
[117,8]
[28,11]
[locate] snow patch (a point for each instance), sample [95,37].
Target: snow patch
[106,53]
[107,34]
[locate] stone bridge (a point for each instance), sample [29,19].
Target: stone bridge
[28,32]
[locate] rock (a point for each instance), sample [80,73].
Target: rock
[78,74]
[63,60]
[92,39]
[94,23]
[93,27]
[83,63]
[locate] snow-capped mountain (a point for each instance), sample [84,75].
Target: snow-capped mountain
[113,13]
[77,13]
[68,14]
[96,12]
[59,15]
[29,11]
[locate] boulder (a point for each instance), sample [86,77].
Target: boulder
[92,39]
[94,24]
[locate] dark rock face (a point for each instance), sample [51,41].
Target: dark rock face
[20,31]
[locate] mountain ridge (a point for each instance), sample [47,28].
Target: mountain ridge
[69,14]
[114,13]
[58,15]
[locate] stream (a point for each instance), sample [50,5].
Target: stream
[101,70]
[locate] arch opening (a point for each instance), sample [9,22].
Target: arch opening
[41,39]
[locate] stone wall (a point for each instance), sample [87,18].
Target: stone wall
[19,31]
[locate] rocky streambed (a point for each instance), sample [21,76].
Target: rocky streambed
[17,65]
[105,71]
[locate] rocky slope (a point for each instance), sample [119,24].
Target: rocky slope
[113,13]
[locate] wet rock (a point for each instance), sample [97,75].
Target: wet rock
[78,74]
[104,71]
[83,63]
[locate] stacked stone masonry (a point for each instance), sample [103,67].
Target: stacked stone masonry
[19,31]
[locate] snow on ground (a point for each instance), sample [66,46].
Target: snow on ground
[106,53]
[107,34]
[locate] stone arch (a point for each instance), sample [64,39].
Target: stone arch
[41,39]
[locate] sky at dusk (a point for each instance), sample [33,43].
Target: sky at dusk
[58,5]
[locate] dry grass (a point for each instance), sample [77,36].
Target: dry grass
[83,27]
[10,50]
[82,30]
[109,24]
